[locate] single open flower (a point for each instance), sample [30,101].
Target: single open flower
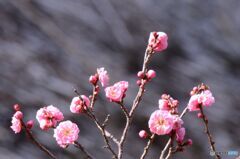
[48,117]
[16,122]
[116,92]
[79,105]
[66,133]
[161,122]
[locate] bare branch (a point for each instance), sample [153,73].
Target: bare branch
[146,148]
[207,131]
[39,145]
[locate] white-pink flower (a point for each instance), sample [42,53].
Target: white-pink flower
[116,92]
[193,104]
[205,98]
[48,117]
[66,133]
[180,134]
[163,104]
[161,122]
[158,41]
[103,76]
[78,105]
[16,122]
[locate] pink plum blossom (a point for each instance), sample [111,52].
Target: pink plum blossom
[161,122]
[66,133]
[16,122]
[205,98]
[180,134]
[158,41]
[116,92]
[78,105]
[193,104]
[163,104]
[103,76]
[48,117]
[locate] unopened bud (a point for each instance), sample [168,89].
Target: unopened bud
[16,107]
[151,74]
[143,134]
[30,124]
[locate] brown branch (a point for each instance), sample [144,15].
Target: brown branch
[169,140]
[106,135]
[148,54]
[124,109]
[79,146]
[146,148]
[169,153]
[170,150]
[103,132]
[39,145]
[207,131]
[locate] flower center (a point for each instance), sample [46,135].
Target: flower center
[161,122]
[67,132]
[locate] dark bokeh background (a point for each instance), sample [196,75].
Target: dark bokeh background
[48,47]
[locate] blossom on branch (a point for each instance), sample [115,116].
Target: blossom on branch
[116,92]
[66,133]
[158,41]
[48,117]
[103,76]
[205,98]
[161,122]
[79,105]
[16,122]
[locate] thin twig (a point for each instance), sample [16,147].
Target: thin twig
[100,126]
[79,146]
[146,148]
[169,140]
[124,109]
[169,153]
[135,104]
[103,132]
[39,145]
[207,131]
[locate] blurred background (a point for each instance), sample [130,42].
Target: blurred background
[49,47]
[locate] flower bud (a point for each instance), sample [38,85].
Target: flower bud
[200,115]
[139,82]
[93,80]
[189,142]
[16,107]
[143,134]
[18,115]
[140,74]
[151,74]
[30,124]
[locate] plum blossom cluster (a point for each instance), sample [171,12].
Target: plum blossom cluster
[166,120]
[66,132]
[200,96]
[48,117]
